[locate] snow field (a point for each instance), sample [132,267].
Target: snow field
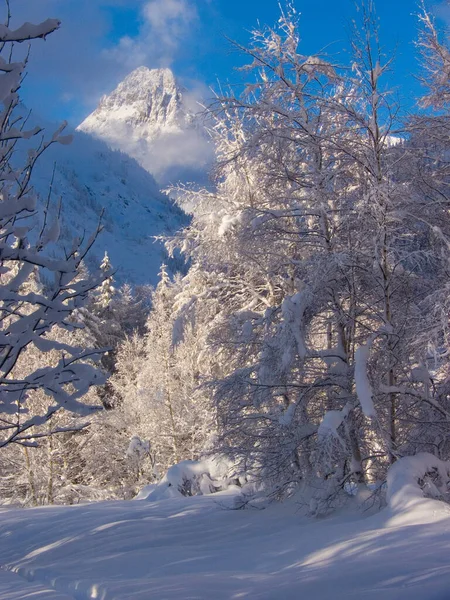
[197,548]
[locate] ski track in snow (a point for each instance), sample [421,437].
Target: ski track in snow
[194,548]
[13,587]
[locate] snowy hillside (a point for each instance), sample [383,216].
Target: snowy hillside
[90,177]
[152,118]
[196,548]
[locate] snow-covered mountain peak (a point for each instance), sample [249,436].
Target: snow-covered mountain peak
[150,117]
[145,96]
[148,98]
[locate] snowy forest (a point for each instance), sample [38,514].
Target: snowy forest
[263,353]
[297,343]
[305,342]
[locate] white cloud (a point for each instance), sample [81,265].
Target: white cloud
[169,14]
[166,26]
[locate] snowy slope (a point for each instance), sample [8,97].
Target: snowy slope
[152,118]
[194,548]
[90,177]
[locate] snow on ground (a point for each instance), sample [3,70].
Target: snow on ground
[186,548]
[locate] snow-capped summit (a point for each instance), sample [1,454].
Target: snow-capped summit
[151,117]
[148,98]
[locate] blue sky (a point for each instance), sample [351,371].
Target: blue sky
[100,41]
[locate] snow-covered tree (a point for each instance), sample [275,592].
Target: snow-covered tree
[157,380]
[428,170]
[316,262]
[29,317]
[106,290]
[272,252]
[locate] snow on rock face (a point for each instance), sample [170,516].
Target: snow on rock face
[150,117]
[144,96]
